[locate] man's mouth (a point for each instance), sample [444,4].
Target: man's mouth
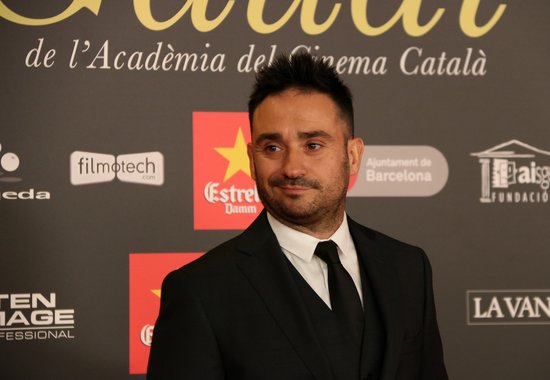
[294,184]
[294,189]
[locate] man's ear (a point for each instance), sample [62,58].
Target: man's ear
[355,154]
[250,153]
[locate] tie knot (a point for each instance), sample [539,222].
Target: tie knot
[328,252]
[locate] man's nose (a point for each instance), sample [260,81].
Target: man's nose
[294,163]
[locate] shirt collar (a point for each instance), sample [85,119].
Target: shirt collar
[303,245]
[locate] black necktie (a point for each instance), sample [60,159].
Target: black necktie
[344,299]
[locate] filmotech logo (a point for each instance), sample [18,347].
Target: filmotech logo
[34,316]
[142,168]
[508,307]
[514,172]
[9,164]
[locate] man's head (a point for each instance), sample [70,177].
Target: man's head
[305,73]
[302,153]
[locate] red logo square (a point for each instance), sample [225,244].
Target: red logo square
[147,270]
[225,195]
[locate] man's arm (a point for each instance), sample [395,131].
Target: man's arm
[184,346]
[433,366]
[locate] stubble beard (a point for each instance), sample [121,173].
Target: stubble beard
[317,213]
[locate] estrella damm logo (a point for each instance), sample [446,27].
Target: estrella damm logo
[147,270]
[225,195]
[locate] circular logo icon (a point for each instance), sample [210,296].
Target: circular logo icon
[9,162]
[147,335]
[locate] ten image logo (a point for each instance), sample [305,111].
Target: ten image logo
[225,196]
[508,307]
[142,168]
[512,172]
[147,270]
[34,316]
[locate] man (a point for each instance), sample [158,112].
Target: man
[276,302]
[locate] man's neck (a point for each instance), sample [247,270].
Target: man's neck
[321,230]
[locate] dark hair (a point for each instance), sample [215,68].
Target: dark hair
[304,72]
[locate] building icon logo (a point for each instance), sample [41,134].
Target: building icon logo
[514,172]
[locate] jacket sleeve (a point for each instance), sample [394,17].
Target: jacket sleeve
[432,366]
[184,346]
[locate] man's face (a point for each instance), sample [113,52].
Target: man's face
[301,158]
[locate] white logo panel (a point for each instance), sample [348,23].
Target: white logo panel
[144,168]
[87,167]
[140,168]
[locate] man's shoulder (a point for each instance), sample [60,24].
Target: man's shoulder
[377,236]
[386,244]
[222,257]
[223,260]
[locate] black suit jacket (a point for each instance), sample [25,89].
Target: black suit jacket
[236,313]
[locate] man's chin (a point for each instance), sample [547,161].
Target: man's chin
[293,215]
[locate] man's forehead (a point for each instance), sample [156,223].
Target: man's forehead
[299,112]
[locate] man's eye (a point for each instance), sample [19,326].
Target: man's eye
[313,146]
[272,148]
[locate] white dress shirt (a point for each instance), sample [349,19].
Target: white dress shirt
[299,249]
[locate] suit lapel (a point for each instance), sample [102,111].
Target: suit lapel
[383,283]
[268,272]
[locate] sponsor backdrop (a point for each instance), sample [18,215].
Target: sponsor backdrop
[122,157]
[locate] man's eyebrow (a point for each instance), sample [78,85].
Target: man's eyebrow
[268,136]
[301,135]
[311,134]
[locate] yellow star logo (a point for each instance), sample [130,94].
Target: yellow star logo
[237,157]
[156,292]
